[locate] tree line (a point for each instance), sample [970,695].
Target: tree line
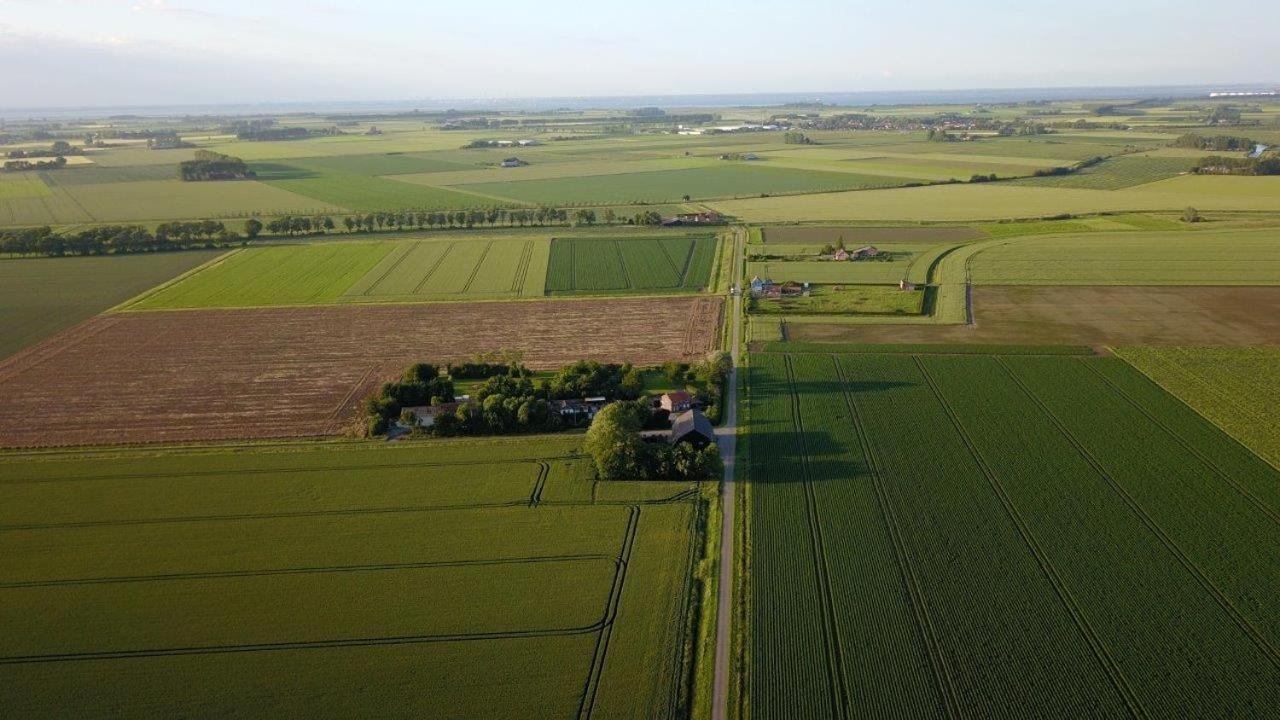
[116,239]
[400,220]
[209,165]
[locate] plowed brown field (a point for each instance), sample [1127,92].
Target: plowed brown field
[293,372]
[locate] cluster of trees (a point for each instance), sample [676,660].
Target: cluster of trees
[1267,164]
[620,453]
[796,138]
[261,134]
[421,384]
[1215,143]
[115,239]
[57,149]
[979,178]
[706,378]
[24,165]
[209,165]
[939,135]
[507,402]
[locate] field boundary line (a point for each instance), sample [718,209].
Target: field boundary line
[434,266]
[1244,492]
[300,645]
[906,571]
[1205,583]
[50,348]
[587,705]
[475,269]
[320,570]
[409,247]
[216,260]
[355,388]
[1099,648]
[831,632]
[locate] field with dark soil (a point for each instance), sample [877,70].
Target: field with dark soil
[295,372]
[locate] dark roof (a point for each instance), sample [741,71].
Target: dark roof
[690,422]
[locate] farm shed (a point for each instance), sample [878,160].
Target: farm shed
[694,428]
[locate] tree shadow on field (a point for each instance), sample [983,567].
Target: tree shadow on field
[281,171]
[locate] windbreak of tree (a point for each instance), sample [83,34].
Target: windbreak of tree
[1215,143]
[59,148]
[116,239]
[399,220]
[23,165]
[621,453]
[209,165]
[1268,164]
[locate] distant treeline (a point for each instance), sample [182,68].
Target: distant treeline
[293,225]
[209,165]
[58,148]
[1068,170]
[22,165]
[117,239]
[264,129]
[1216,143]
[1268,164]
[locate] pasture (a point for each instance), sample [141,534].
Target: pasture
[1117,172]
[600,265]
[456,579]
[939,535]
[42,296]
[1238,388]
[190,375]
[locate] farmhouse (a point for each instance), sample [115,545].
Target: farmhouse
[676,402]
[907,286]
[862,253]
[585,408]
[425,415]
[698,218]
[694,428]
[513,162]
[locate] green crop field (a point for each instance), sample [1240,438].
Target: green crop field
[1236,387]
[458,579]
[976,535]
[728,180]
[357,192]
[1229,257]
[1118,172]
[40,297]
[601,265]
[276,275]
[472,268]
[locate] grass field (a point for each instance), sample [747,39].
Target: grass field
[40,297]
[994,201]
[600,265]
[856,299]
[304,274]
[461,579]
[1232,257]
[1067,538]
[1238,388]
[472,268]
[729,180]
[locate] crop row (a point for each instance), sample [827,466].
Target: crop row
[978,535]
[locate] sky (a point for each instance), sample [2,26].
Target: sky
[83,53]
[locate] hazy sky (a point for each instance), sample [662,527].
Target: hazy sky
[122,52]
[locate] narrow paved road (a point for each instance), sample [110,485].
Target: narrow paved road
[727,438]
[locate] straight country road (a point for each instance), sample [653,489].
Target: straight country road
[727,438]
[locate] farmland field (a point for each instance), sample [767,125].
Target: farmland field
[1117,172]
[598,265]
[855,236]
[1069,539]
[1238,388]
[294,372]
[39,297]
[1088,315]
[444,580]
[671,185]
[1232,257]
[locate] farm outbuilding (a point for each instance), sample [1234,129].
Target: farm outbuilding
[676,402]
[694,428]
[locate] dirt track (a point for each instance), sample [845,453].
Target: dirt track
[1094,315]
[281,372]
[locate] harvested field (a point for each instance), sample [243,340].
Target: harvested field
[869,235]
[281,372]
[1093,315]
